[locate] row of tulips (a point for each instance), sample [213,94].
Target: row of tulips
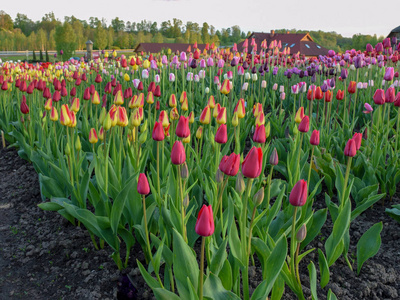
[239,159]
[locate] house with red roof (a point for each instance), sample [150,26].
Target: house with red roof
[301,43]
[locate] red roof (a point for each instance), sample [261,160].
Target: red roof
[157,47]
[297,42]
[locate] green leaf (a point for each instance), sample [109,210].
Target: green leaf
[225,274]
[371,200]
[394,213]
[119,204]
[274,264]
[323,268]
[313,280]
[163,294]
[234,243]
[314,226]
[340,226]
[331,296]
[49,187]
[185,265]
[151,282]
[368,245]
[219,258]
[278,289]
[214,289]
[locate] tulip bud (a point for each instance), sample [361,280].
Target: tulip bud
[240,185]
[302,233]
[219,176]
[184,171]
[199,132]
[143,137]
[259,197]
[186,201]
[273,159]
[107,123]
[67,149]
[78,145]
[93,136]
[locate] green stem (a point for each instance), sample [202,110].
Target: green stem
[346,179]
[181,204]
[203,239]
[269,186]
[398,131]
[158,168]
[309,170]
[245,273]
[147,239]
[293,244]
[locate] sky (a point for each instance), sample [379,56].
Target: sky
[342,16]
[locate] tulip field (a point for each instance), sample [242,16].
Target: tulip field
[215,161]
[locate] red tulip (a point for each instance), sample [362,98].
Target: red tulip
[182,129]
[259,134]
[157,91]
[397,100]
[352,87]
[108,88]
[72,93]
[314,140]
[390,95]
[178,155]
[205,221]
[298,195]
[98,78]
[252,164]
[158,132]
[379,97]
[24,107]
[304,125]
[328,96]
[143,187]
[221,137]
[318,93]
[357,137]
[86,94]
[152,87]
[229,165]
[4,86]
[339,95]
[351,148]
[30,88]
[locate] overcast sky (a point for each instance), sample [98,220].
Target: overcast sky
[343,16]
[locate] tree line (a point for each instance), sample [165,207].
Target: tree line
[50,33]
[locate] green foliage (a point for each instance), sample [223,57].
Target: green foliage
[65,39]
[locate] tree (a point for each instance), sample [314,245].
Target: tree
[100,37]
[165,29]
[65,39]
[176,28]
[236,33]
[158,38]
[24,23]
[117,24]
[6,21]
[78,29]
[204,33]
[49,22]
[41,39]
